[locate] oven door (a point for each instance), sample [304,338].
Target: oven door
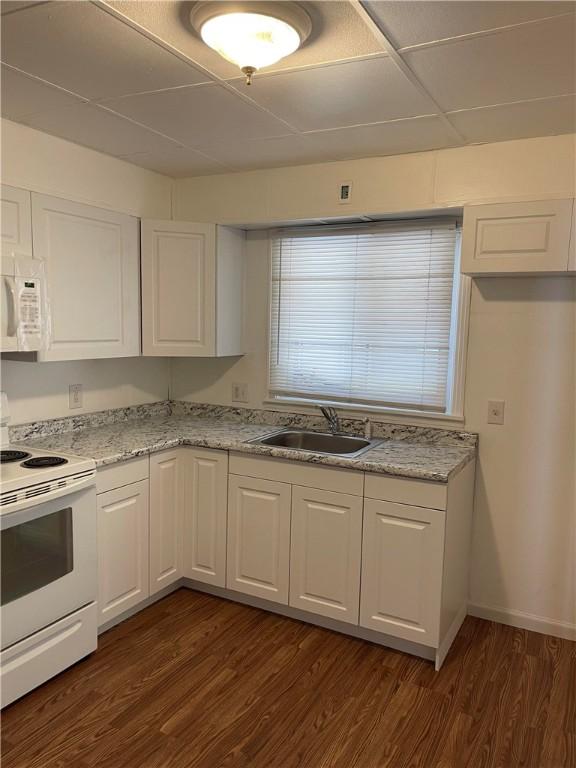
[48,565]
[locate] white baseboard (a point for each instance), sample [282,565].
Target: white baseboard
[562,629]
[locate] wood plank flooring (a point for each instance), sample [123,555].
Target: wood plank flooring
[200,682]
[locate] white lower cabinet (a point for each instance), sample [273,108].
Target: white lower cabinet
[402,558]
[166,518]
[258,537]
[205,479]
[122,549]
[325,555]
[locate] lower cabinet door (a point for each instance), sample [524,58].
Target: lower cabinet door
[258,537]
[122,549]
[205,510]
[402,558]
[166,498]
[325,557]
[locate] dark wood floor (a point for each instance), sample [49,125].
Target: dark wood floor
[199,681]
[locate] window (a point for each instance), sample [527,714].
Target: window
[369,316]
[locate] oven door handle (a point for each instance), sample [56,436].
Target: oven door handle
[25,508]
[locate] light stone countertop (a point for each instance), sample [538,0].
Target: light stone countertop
[111,443]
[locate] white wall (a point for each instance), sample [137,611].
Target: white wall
[43,163]
[40,390]
[522,349]
[510,170]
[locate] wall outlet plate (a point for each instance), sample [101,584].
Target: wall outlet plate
[239,392]
[75,396]
[495,412]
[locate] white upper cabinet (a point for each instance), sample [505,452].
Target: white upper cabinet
[192,288]
[516,238]
[16,218]
[91,263]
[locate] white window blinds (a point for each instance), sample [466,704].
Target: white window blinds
[364,315]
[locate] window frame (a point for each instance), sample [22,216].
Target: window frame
[460,321]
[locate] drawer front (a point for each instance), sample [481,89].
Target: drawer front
[298,473]
[420,493]
[31,662]
[122,473]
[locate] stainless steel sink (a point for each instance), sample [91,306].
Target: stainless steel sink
[318,442]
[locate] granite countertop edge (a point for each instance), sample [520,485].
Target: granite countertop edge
[411,468]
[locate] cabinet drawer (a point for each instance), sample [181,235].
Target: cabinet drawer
[123,473]
[420,493]
[298,473]
[44,654]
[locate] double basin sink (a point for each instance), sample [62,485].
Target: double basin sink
[325,443]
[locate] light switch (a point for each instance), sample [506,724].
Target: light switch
[495,412]
[239,392]
[75,396]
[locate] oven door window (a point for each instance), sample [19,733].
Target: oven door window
[35,554]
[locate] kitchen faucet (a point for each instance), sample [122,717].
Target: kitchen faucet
[332,418]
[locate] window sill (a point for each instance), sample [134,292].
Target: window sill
[367,410]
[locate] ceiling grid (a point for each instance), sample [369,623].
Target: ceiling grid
[131,78]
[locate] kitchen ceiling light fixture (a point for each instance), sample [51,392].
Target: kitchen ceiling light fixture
[251,35]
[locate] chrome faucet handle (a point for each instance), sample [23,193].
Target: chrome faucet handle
[331,416]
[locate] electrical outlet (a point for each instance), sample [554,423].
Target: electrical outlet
[239,392]
[495,412]
[75,396]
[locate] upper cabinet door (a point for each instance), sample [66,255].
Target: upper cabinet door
[516,238]
[16,218]
[92,277]
[178,288]
[192,289]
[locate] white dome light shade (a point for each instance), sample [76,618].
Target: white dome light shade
[251,35]
[250,39]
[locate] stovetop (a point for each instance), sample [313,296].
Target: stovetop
[21,466]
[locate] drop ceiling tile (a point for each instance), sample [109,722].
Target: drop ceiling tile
[410,23]
[397,137]
[354,93]
[23,96]
[98,128]
[194,116]
[177,162]
[522,120]
[534,61]
[338,33]
[82,48]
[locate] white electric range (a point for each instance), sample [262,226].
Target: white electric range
[48,581]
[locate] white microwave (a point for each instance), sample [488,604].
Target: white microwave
[21,307]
